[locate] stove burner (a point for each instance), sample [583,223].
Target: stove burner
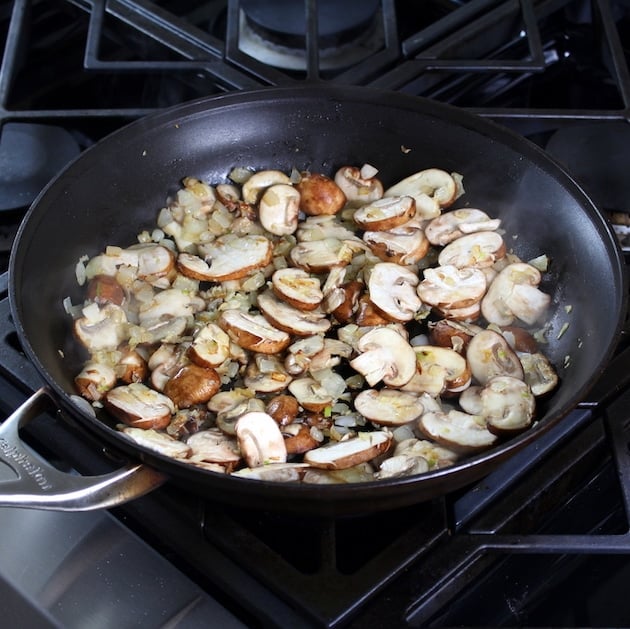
[275,32]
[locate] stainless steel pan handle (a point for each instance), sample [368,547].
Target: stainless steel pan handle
[39,485]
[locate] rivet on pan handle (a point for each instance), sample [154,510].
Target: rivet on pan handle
[39,485]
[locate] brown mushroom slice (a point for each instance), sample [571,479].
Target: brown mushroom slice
[210,346]
[319,195]
[457,430]
[388,407]
[291,320]
[320,256]
[131,367]
[214,446]
[297,287]
[228,257]
[368,315]
[253,332]
[278,209]
[299,438]
[192,385]
[158,441]
[401,466]
[104,289]
[95,380]
[350,452]
[508,405]
[452,287]
[392,289]
[454,224]
[441,370]
[479,250]
[139,406]
[385,355]
[348,304]
[400,248]
[451,333]
[311,394]
[260,440]
[489,355]
[514,293]
[358,188]
[274,472]
[385,213]
[255,186]
[283,408]
[432,189]
[520,339]
[468,314]
[101,328]
[540,374]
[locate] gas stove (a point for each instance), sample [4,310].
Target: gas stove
[543,541]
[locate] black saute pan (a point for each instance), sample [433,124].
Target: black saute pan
[114,190]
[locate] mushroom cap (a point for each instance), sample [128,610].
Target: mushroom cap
[192,385]
[278,209]
[319,194]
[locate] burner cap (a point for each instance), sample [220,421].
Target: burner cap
[30,156]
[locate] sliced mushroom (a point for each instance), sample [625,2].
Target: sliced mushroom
[214,446]
[253,332]
[540,374]
[489,355]
[168,305]
[388,407]
[452,287]
[299,438]
[368,315]
[514,293]
[358,188]
[311,394]
[402,465]
[385,213]
[508,405]
[453,334]
[101,328]
[293,321]
[210,346]
[454,224]
[392,289]
[139,406]
[274,472]
[319,194]
[385,355]
[104,289]
[479,250]
[440,370]
[283,408]
[437,456]
[361,473]
[458,430]
[297,287]
[432,189]
[323,227]
[192,385]
[345,454]
[95,380]
[320,256]
[348,304]
[227,258]
[131,366]
[230,405]
[260,440]
[278,209]
[520,339]
[255,186]
[266,374]
[158,441]
[400,248]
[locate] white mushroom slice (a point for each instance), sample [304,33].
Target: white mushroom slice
[323,227]
[454,224]
[292,320]
[358,188]
[401,248]
[311,394]
[319,195]
[385,355]
[479,250]
[344,454]
[101,328]
[385,213]
[514,294]
[278,209]
[508,405]
[331,354]
[297,288]
[227,258]
[436,455]
[458,430]
[432,190]
[361,473]
[158,441]
[154,261]
[539,372]
[255,185]
[253,332]
[274,472]
[300,438]
[266,374]
[489,355]
[210,346]
[470,400]
[451,287]
[94,380]
[388,407]
[469,314]
[402,465]
[169,304]
[214,446]
[392,289]
[260,440]
[441,370]
[139,406]
[319,256]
